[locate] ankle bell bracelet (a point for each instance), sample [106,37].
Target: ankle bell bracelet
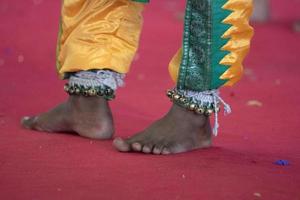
[186,102]
[105,92]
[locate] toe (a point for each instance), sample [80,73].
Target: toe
[136,146]
[166,151]
[157,150]
[28,122]
[121,145]
[147,149]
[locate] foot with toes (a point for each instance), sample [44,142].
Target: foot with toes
[87,116]
[179,131]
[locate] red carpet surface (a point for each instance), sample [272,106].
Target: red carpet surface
[263,128]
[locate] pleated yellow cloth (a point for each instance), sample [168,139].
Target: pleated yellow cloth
[98,34]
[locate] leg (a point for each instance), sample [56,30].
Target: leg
[205,63]
[93,36]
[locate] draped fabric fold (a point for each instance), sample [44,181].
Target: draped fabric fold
[102,34]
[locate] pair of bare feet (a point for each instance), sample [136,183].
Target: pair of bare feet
[178,131]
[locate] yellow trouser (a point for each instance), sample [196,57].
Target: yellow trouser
[104,34]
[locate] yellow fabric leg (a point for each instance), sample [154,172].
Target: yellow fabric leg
[98,34]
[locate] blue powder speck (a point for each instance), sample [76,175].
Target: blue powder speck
[282,162]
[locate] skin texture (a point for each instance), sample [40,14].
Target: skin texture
[178,131]
[87,116]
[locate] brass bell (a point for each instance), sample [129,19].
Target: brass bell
[85,93]
[92,92]
[183,100]
[199,110]
[176,97]
[71,90]
[108,91]
[66,88]
[100,93]
[192,106]
[209,112]
[77,91]
[170,93]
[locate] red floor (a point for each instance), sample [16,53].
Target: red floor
[240,166]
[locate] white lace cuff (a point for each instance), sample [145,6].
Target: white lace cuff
[100,78]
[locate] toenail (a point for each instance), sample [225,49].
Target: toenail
[26,118]
[137,146]
[146,149]
[118,141]
[166,151]
[121,145]
[156,151]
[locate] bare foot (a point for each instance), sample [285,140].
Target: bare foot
[179,131]
[87,116]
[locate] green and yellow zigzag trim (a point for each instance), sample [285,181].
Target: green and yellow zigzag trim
[230,40]
[238,38]
[216,40]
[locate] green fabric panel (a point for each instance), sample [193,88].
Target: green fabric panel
[185,48]
[203,29]
[195,69]
[218,29]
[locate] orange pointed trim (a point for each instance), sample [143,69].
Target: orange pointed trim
[239,35]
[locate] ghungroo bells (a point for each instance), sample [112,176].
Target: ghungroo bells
[186,102]
[105,92]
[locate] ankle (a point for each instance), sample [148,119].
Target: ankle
[81,102]
[181,114]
